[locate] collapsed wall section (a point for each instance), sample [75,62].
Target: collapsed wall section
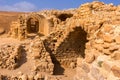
[65,47]
[72,46]
[42,59]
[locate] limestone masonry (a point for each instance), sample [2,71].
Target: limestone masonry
[74,44]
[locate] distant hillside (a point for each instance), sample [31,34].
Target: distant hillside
[6,18]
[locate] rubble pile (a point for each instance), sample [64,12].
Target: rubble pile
[37,76]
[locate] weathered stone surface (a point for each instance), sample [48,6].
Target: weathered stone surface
[107,66]
[116,55]
[2,30]
[42,59]
[89,58]
[72,65]
[23,77]
[85,67]
[116,71]
[117,39]
[108,28]
[79,61]
[107,38]
[10,56]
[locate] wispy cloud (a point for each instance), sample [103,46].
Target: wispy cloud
[21,6]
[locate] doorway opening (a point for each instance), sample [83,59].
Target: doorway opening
[33,25]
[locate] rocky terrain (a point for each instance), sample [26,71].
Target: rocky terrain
[74,44]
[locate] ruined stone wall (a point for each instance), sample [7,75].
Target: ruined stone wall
[102,33]
[14,29]
[18,28]
[103,55]
[10,55]
[22,28]
[42,59]
[102,49]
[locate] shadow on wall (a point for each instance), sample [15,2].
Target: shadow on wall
[23,58]
[73,45]
[58,69]
[63,17]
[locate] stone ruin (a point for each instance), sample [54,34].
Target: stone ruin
[42,59]
[27,24]
[10,56]
[86,39]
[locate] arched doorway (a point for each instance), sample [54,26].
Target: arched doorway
[37,24]
[33,25]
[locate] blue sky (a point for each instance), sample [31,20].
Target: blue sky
[35,5]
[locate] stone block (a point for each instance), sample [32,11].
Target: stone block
[85,67]
[79,61]
[108,38]
[117,39]
[72,65]
[116,55]
[116,71]
[106,51]
[36,55]
[89,57]
[108,28]
[95,73]
[106,65]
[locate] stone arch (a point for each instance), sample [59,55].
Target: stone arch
[33,25]
[37,24]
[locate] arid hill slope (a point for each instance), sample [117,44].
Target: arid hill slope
[6,18]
